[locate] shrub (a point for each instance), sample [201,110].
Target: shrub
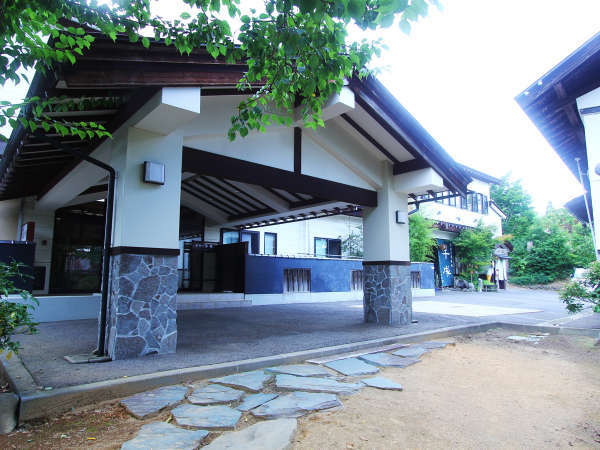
[13,316]
[576,295]
[421,238]
[532,278]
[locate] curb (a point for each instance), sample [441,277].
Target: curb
[35,404]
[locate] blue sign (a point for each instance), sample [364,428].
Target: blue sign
[446,262]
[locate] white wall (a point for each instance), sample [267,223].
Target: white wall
[9,219]
[591,124]
[297,238]
[146,215]
[43,236]
[454,214]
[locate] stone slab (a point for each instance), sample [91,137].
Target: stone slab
[86,358]
[315,384]
[530,338]
[150,402]
[164,435]
[214,393]
[382,383]
[270,435]
[300,370]
[352,367]
[410,352]
[432,345]
[378,349]
[36,404]
[296,404]
[253,400]
[252,381]
[218,417]
[387,360]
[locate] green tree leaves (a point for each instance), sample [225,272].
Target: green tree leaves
[546,248]
[421,238]
[13,315]
[298,52]
[474,247]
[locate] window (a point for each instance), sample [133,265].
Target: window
[452,201]
[296,280]
[270,244]
[463,203]
[252,238]
[356,280]
[437,196]
[485,206]
[470,202]
[415,280]
[475,204]
[329,248]
[229,236]
[235,236]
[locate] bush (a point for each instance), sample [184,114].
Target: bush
[532,278]
[421,238]
[576,295]
[13,316]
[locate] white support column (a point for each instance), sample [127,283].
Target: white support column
[387,290]
[9,219]
[143,297]
[589,110]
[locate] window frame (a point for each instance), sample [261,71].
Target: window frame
[227,230]
[328,253]
[268,233]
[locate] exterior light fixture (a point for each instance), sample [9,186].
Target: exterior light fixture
[154,172]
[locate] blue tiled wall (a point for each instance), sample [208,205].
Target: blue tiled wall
[264,274]
[427,274]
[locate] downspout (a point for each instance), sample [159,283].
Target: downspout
[101,348]
[587,209]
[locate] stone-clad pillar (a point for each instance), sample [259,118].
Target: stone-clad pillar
[387,292]
[143,308]
[142,313]
[387,298]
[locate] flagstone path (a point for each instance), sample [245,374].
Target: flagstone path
[217,405]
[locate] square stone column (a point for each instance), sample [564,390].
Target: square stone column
[142,307]
[142,317]
[387,298]
[387,295]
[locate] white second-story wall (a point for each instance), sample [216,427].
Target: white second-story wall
[297,238]
[453,213]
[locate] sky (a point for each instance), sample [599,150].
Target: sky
[459,71]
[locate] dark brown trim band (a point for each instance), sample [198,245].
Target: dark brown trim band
[297,150]
[386,263]
[145,251]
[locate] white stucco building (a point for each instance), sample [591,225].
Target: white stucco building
[116,216]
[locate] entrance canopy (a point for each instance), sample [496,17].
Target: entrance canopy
[113,81]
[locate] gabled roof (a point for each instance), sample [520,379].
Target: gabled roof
[577,208]
[121,76]
[550,103]
[474,173]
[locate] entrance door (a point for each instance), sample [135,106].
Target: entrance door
[446,262]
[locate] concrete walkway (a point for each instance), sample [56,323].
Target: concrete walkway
[215,336]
